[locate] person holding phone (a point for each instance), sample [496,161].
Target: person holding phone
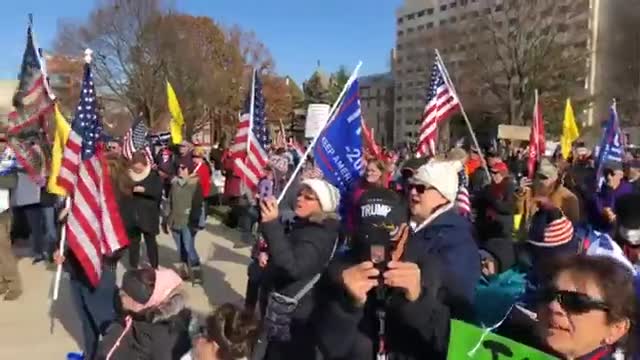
[380,296]
[297,256]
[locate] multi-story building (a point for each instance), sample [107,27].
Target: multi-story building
[602,29]
[376,100]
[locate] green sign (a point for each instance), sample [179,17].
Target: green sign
[471,342]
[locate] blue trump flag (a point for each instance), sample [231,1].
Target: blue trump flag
[611,147]
[338,150]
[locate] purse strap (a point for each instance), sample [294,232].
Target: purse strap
[300,294]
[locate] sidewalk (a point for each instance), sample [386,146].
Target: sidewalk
[33,329]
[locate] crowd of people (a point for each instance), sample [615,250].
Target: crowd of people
[548,259]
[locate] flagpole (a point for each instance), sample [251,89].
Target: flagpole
[447,78]
[352,78]
[63,240]
[252,103]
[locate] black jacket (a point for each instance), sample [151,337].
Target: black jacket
[144,208]
[163,337]
[414,330]
[294,260]
[495,214]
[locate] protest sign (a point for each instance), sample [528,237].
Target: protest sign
[471,342]
[317,115]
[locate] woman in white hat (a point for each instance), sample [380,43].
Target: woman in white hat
[295,258]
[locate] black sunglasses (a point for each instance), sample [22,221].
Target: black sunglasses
[572,301]
[420,188]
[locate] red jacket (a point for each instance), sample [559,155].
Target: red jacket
[204,175]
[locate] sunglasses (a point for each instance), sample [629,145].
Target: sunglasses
[420,188]
[572,301]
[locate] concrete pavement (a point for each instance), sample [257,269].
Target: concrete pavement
[34,328]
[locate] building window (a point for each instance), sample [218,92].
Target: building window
[443,22]
[453,5]
[420,27]
[429,25]
[443,7]
[475,14]
[487,11]
[409,30]
[399,98]
[411,16]
[513,22]
[400,20]
[421,13]
[453,20]
[400,32]
[399,47]
[463,17]
[430,11]
[499,7]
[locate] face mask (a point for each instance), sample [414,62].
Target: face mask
[630,235]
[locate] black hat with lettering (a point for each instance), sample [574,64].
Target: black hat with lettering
[381,207]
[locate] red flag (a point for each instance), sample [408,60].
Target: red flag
[536,138]
[370,142]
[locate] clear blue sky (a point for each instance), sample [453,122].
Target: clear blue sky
[297,32]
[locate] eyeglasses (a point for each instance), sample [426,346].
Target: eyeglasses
[420,188]
[572,301]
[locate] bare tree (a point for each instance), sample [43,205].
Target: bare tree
[520,46]
[113,29]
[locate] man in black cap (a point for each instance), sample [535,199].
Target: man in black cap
[383,294]
[628,226]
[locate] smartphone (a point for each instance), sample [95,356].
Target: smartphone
[266,189]
[379,257]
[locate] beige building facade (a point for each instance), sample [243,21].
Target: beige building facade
[602,28]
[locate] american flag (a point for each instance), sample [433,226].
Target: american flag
[463,201]
[249,148]
[136,139]
[94,227]
[28,120]
[441,103]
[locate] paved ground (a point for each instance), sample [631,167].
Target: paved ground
[34,328]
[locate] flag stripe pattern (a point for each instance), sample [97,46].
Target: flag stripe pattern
[441,103]
[94,227]
[249,165]
[462,198]
[32,103]
[137,139]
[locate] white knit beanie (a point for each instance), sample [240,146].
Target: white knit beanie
[441,175]
[327,194]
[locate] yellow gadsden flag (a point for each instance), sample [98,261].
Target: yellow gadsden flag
[59,140]
[570,131]
[177,120]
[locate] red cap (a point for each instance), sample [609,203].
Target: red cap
[500,167]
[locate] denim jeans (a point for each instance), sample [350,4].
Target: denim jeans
[95,307]
[185,243]
[43,228]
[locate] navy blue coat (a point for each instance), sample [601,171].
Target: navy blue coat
[450,238]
